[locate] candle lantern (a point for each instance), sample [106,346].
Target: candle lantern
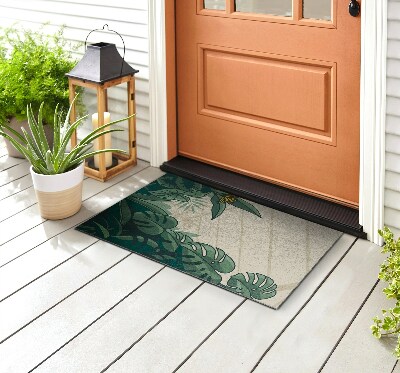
[101,68]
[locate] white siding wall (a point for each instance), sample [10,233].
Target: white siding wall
[128,17]
[392,191]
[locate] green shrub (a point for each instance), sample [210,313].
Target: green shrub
[389,324]
[32,71]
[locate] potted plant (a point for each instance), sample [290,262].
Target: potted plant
[57,173]
[389,323]
[33,67]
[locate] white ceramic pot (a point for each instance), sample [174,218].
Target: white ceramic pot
[59,196]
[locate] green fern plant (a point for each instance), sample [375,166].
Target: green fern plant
[389,323]
[33,65]
[55,160]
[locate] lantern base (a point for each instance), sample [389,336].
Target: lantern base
[113,164]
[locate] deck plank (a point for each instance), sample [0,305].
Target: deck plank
[14,173]
[244,337]
[17,203]
[370,355]
[176,336]
[7,162]
[30,217]
[111,335]
[36,262]
[110,194]
[56,285]
[307,342]
[56,327]
[15,186]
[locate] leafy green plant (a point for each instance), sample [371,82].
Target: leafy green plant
[33,67]
[389,324]
[55,160]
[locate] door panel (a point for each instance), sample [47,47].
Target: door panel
[273,97]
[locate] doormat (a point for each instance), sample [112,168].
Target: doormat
[246,248]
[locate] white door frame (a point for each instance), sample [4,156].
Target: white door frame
[373,105]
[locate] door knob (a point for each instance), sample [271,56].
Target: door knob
[354,8]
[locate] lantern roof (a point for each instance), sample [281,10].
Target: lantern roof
[101,63]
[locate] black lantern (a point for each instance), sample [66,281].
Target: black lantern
[101,68]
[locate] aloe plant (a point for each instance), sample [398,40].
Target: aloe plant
[55,160]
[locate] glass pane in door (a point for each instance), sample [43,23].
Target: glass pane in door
[317,9]
[215,4]
[273,7]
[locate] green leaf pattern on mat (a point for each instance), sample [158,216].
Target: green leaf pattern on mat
[143,223]
[255,286]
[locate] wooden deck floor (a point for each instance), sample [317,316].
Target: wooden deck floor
[71,303]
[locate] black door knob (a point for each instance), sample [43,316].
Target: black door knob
[354,8]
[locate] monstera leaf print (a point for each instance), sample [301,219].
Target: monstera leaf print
[204,261]
[150,203]
[256,286]
[153,224]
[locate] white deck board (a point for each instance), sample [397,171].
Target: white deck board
[371,355]
[56,285]
[110,192]
[7,162]
[124,325]
[76,304]
[309,339]
[15,186]
[13,173]
[50,254]
[179,334]
[56,327]
[257,325]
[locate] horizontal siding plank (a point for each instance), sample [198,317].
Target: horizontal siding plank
[308,341]
[392,217]
[393,87]
[392,144]
[140,30]
[134,4]
[393,106]
[392,199]
[394,10]
[392,181]
[393,125]
[393,162]
[393,68]
[394,29]
[89,11]
[393,50]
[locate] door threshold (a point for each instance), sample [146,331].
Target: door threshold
[317,210]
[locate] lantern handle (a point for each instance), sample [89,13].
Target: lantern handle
[108,29]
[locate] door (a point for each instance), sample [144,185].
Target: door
[270,89]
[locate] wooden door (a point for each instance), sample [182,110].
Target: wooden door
[270,89]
